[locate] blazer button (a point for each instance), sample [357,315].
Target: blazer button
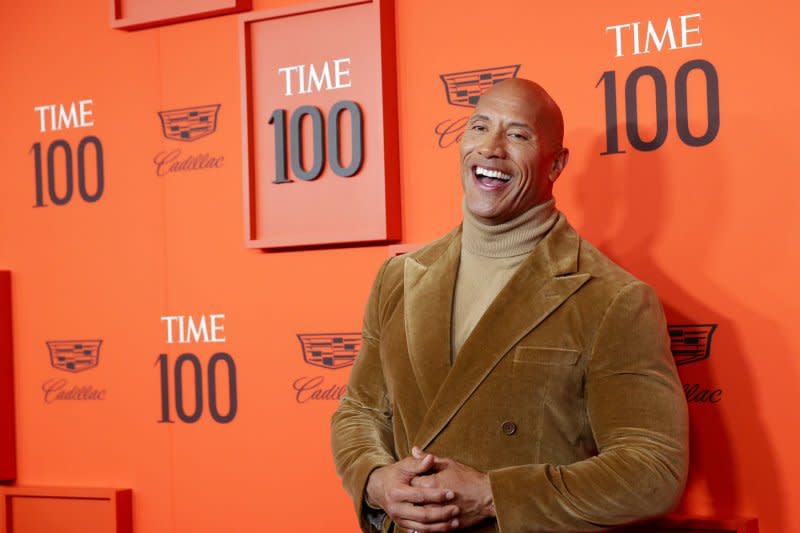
[509,427]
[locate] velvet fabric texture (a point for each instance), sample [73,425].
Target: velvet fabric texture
[565,392]
[490,254]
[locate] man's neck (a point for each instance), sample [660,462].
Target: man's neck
[515,237]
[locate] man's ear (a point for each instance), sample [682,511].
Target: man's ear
[559,162]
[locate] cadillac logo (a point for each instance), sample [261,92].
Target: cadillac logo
[465,88]
[74,356]
[690,343]
[189,123]
[330,350]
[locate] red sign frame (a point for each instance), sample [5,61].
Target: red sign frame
[140,15]
[283,209]
[86,509]
[8,455]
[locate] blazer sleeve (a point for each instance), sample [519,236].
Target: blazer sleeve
[361,428]
[638,416]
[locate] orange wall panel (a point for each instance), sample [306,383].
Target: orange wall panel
[711,226]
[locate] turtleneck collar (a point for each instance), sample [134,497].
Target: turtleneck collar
[516,237]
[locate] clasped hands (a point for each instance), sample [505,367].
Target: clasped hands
[426,493]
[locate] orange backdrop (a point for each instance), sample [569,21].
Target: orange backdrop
[712,227]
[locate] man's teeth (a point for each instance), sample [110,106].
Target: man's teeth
[496,174]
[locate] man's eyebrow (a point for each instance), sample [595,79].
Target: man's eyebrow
[521,125]
[512,125]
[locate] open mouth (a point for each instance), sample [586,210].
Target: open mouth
[490,178]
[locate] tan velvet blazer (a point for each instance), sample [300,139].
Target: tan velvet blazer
[566,392]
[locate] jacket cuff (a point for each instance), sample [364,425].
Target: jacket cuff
[513,505]
[357,484]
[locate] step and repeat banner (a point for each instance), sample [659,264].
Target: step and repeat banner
[193,211]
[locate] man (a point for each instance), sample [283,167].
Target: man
[511,377]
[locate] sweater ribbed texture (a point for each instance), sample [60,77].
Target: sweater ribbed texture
[489,257]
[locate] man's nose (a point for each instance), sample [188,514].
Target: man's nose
[493,146]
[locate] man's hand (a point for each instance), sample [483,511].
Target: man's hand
[473,492]
[422,509]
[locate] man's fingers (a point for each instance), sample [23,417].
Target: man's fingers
[422,514]
[421,495]
[419,465]
[417,453]
[425,464]
[440,463]
[419,527]
[425,482]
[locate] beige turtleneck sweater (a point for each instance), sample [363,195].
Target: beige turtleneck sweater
[489,257]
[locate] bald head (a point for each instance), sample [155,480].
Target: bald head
[542,109]
[511,151]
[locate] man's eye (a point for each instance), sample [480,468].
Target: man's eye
[478,127]
[520,136]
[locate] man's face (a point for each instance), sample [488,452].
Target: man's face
[507,158]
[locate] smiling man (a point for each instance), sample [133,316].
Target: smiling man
[511,378]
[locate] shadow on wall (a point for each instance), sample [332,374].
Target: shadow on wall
[622,207]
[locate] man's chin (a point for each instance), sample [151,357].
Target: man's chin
[486,214]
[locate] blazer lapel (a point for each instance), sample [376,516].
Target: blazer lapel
[541,284]
[428,304]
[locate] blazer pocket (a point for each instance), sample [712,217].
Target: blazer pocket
[543,355]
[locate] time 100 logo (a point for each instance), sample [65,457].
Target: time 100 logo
[662,100]
[56,164]
[319,151]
